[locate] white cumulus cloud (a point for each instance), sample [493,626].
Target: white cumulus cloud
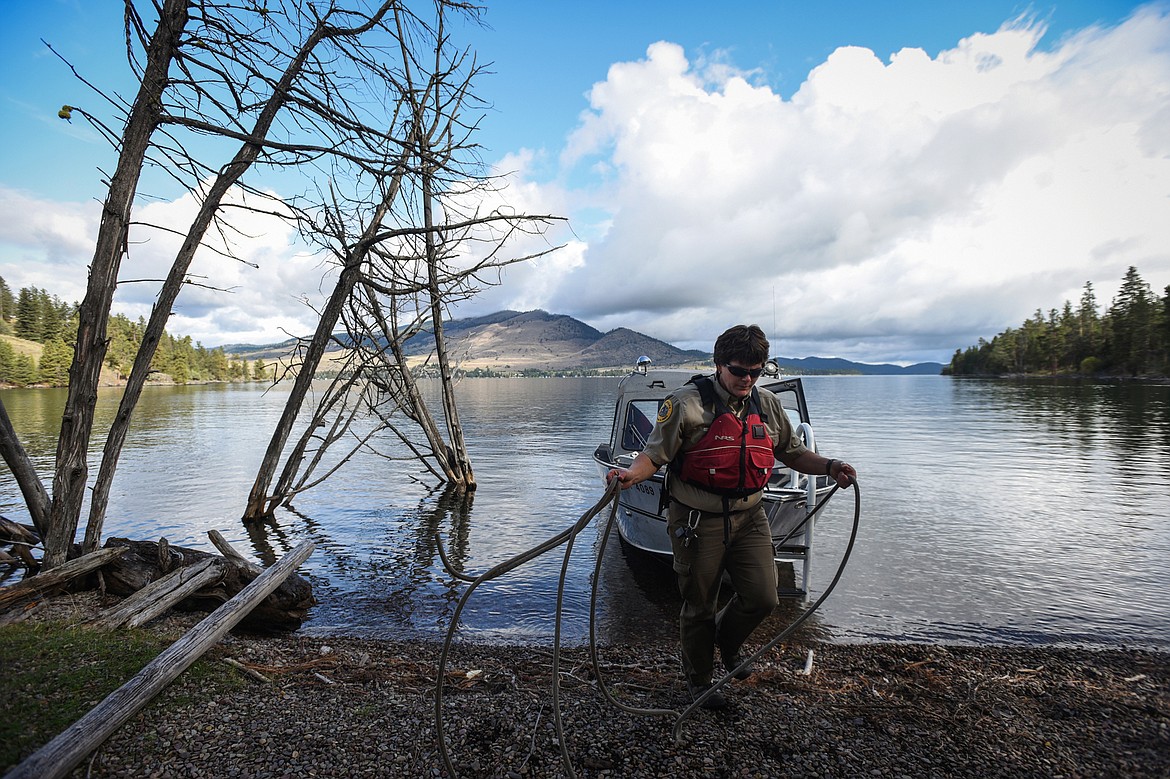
[887,211]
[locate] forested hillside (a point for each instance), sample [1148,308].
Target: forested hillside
[41,329]
[1131,338]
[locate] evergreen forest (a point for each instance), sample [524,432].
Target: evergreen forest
[1129,339]
[41,331]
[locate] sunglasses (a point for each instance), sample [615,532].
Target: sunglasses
[739,372]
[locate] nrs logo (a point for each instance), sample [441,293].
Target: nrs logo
[724,437]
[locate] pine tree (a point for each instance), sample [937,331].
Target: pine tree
[1164,333]
[1133,325]
[7,307]
[51,316]
[1066,337]
[1088,337]
[7,362]
[218,365]
[124,338]
[180,369]
[27,323]
[55,360]
[24,371]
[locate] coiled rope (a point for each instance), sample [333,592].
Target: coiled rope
[567,537]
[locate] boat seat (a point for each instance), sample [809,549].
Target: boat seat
[780,477]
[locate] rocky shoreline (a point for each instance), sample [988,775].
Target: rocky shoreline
[343,707]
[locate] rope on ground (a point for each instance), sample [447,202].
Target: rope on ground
[565,536]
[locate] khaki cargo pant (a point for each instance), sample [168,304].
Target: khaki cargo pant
[699,566]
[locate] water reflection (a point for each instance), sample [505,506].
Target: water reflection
[1132,418]
[1002,511]
[380,572]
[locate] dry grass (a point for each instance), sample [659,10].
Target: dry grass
[21,346]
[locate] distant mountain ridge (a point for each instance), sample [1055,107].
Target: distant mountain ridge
[537,340]
[832,365]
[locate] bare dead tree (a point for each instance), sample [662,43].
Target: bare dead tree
[367,97]
[259,504]
[245,47]
[71,469]
[397,249]
[25,473]
[289,82]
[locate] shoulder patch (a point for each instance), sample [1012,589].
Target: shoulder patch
[666,409]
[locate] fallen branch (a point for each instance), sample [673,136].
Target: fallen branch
[53,578]
[60,756]
[246,670]
[148,561]
[229,552]
[158,596]
[21,539]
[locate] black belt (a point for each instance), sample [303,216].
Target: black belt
[726,514]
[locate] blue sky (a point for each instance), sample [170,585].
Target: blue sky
[876,181]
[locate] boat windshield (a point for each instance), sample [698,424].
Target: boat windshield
[640,416]
[791,403]
[641,413]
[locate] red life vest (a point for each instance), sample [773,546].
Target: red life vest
[734,457]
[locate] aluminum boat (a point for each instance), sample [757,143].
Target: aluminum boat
[789,496]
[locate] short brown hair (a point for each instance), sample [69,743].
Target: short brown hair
[744,343]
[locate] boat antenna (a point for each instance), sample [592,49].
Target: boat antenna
[773,310]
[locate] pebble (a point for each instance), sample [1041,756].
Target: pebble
[938,711]
[878,710]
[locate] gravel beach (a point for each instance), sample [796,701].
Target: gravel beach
[344,707]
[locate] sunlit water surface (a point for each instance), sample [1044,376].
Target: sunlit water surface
[1029,512]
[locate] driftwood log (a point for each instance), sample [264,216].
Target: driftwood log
[20,538]
[158,596]
[49,581]
[145,562]
[61,755]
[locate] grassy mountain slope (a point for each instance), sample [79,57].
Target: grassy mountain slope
[538,340]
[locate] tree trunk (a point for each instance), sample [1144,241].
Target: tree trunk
[259,507]
[160,314]
[159,596]
[21,539]
[71,471]
[260,504]
[417,408]
[461,464]
[25,473]
[35,586]
[140,565]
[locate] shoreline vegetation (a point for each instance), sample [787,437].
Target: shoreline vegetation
[332,706]
[1130,339]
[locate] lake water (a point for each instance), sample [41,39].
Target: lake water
[1010,512]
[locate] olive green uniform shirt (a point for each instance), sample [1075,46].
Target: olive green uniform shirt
[683,421]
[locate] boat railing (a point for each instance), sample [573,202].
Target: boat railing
[805,431]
